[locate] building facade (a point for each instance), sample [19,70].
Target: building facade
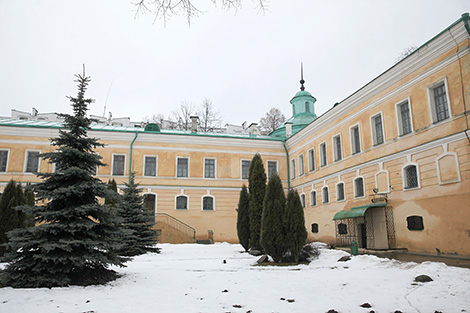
[388,167]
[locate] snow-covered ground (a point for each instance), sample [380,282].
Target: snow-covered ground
[194,278]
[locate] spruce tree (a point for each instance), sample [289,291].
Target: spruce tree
[75,238]
[294,218]
[243,218]
[137,221]
[257,187]
[272,224]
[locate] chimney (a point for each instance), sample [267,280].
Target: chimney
[35,112]
[288,129]
[253,129]
[194,122]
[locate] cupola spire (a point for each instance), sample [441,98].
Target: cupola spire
[302,81]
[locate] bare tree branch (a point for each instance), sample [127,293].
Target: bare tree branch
[183,115]
[209,118]
[272,120]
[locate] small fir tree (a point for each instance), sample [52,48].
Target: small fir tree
[243,218]
[137,221]
[9,217]
[75,239]
[257,186]
[294,218]
[112,199]
[272,225]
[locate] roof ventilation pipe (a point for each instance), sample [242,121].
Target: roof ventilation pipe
[253,129]
[194,123]
[288,129]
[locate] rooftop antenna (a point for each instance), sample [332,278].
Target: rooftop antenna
[106,101]
[302,81]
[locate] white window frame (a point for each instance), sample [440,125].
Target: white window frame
[156,165]
[311,156]
[399,117]
[373,131]
[189,166]
[112,164]
[176,202]
[213,203]
[267,166]
[325,163]
[204,168]
[301,165]
[432,105]
[241,168]
[323,195]
[314,192]
[26,154]
[293,171]
[363,187]
[404,176]
[8,159]
[335,150]
[353,143]
[344,191]
[453,154]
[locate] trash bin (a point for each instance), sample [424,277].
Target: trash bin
[354,249]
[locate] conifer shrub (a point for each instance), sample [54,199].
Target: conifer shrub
[294,220]
[273,237]
[243,219]
[257,188]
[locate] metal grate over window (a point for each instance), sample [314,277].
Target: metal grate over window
[340,192]
[411,177]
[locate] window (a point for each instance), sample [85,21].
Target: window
[207,203]
[340,192]
[245,169]
[439,102]
[314,228]
[337,148]
[323,161]
[32,161]
[272,168]
[313,198]
[150,203]
[302,200]
[3,160]
[355,140]
[182,202]
[292,163]
[182,167]
[325,195]
[410,177]
[209,168]
[359,187]
[342,229]
[415,222]
[307,107]
[150,167]
[311,160]
[377,130]
[301,165]
[404,118]
[118,164]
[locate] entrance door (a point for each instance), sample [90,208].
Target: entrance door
[380,228]
[363,233]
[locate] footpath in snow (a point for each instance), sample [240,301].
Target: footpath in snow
[194,278]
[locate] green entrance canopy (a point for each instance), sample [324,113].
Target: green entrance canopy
[357,211]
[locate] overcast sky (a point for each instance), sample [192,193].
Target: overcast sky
[246,63]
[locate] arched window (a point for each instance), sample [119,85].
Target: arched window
[314,228]
[307,107]
[208,203]
[182,202]
[302,200]
[150,201]
[410,177]
[359,187]
[340,192]
[325,195]
[313,198]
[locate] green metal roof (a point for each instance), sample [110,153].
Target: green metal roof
[358,211]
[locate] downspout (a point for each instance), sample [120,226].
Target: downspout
[130,155]
[465,18]
[287,158]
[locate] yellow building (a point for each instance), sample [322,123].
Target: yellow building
[388,167]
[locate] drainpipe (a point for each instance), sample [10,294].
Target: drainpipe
[287,157]
[464,18]
[130,155]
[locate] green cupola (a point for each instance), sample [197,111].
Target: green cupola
[303,111]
